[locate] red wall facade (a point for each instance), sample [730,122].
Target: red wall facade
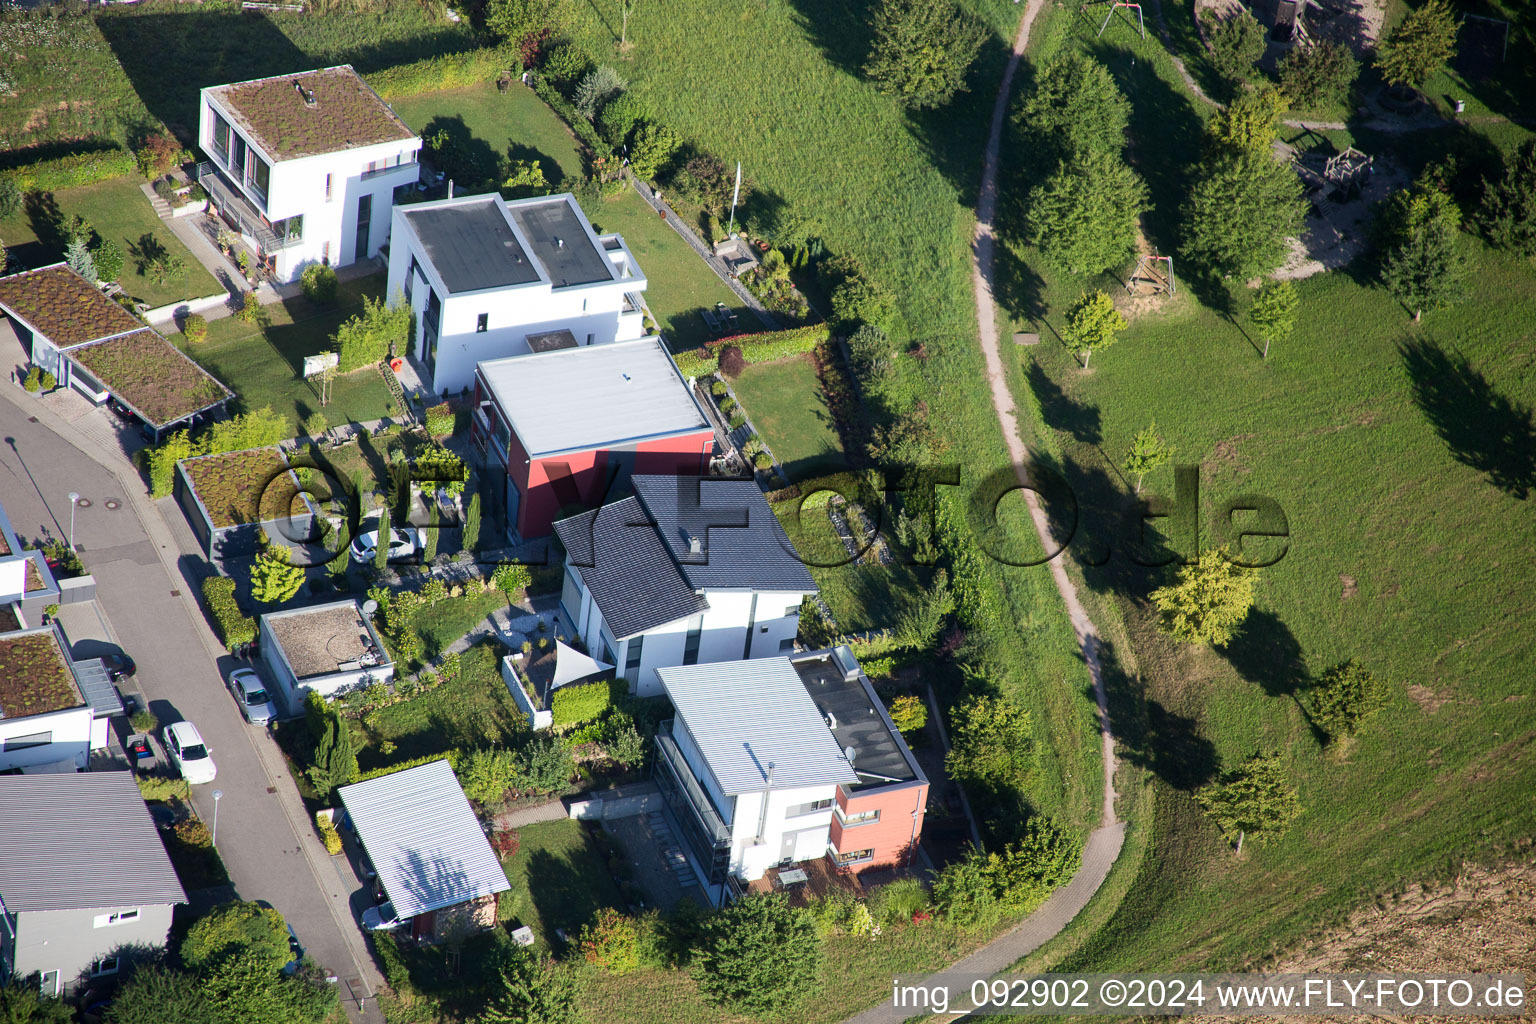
[549,484]
[888,837]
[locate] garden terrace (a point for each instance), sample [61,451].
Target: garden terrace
[231,484]
[34,675]
[149,374]
[345,113]
[63,306]
[322,641]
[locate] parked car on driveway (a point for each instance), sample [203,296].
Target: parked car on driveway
[118,666]
[403,542]
[189,753]
[381,918]
[251,694]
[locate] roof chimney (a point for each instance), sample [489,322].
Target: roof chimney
[695,545]
[306,95]
[559,242]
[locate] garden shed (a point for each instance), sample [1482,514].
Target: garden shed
[231,497]
[327,648]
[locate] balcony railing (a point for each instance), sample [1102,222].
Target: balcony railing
[375,172]
[233,204]
[705,815]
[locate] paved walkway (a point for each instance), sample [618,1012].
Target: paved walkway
[145,561]
[1103,845]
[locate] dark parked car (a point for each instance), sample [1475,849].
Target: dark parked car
[119,666]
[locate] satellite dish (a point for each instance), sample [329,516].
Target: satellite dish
[370,606]
[849,753]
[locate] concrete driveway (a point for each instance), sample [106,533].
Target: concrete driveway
[146,569]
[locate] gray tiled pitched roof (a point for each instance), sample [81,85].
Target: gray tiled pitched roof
[745,548]
[80,841]
[626,568]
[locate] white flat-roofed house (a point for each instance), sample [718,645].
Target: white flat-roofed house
[490,279]
[306,165]
[53,710]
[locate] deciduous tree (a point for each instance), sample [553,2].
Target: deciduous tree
[1248,123]
[531,989]
[1241,209]
[1345,696]
[758,955]
[1418,46]
[1093,323]
[1273,312]
[655,145]
[515,20]
[1236,43]
[1318,74]
[1253,799]
[1148,452]
[1209,601]
[1084,216]
[234,928]
[22,1002]
[922,50]
[1075,108]
[994,742]
[1422,260]
[274,577]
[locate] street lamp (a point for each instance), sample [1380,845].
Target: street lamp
[216,795]
[73,499]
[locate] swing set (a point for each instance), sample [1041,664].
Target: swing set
[1115,5]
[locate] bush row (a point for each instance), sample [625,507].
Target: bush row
[235,627]
[764,347]
[572,705]
[571,116]
[447,71]
[73,170]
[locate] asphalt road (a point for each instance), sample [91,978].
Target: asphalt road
[259,814]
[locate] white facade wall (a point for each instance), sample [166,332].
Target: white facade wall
[773,617]
[594,313]
[13,578]
[71,941]
[69,738]
[298,187]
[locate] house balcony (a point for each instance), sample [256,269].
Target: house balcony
[234,205]
[706,833]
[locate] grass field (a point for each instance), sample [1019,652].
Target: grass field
[558,881]
[679,285]
[785,402]
[110,76]
[515,122]
[833,158]
[263,366]
[1398,453]
[473,710]
[119,211]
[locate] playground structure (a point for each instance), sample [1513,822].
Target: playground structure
[1483,44]
[1115,5]
[1291,22]
[1348,170]
[1153,276]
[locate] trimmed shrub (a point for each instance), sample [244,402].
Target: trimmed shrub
[909,713]
[318,282]
[328,834]
[235,627]
[440,420]
[764,347]
[619,117]
[159,787]
[73,171]
[195,328]
[762,460]
[732,362]
[108,257]
[451,756]
[572,705]
[449,71]
[720,389]
[33,381]
[144,720]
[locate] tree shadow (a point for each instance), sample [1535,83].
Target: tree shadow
[1062,412]
[468,160]
[46,221]
[1485,430]
[1265,651]
[1171,746]
[517,151]
[563,892]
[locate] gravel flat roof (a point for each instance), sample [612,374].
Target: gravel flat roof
[318,641]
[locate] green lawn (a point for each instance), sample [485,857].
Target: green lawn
[785,402]
[472,710]
[443,623]
[558,880]
[263,366]
[1398,453]
[117,210]
[515,123]
[679,285]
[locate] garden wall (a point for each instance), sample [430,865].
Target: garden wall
[536,719]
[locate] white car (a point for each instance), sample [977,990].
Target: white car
[381,918]
[403,542]
[251,694]
[189,752]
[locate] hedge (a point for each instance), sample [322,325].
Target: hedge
[569,114]
[765,347]
[328,834]
[158,787]
[448,71]
[572,705]
[73,170]
[235,627]
[451,756]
